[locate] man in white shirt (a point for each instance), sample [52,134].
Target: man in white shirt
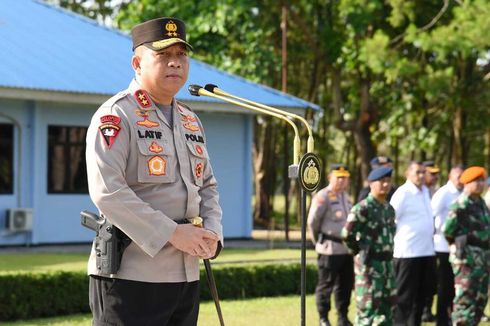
[414,247]
[441,201]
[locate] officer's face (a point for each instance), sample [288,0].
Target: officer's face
[338,184]
[416,174]
[162,73]
[475,187]
[381,187]
[431,178]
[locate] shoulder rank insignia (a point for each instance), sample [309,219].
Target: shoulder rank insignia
[109,128]
[155,148]
[156,165]
[142,98]
[145,122]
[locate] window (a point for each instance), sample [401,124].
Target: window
[67,171]
[6,158]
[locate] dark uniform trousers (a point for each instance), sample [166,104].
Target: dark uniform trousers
[445,289]
[335,274]
[131,303]
[414,286]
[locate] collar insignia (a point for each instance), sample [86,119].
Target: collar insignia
[142,98]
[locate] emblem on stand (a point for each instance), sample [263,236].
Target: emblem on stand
[309,172]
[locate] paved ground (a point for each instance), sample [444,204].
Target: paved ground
[261,239]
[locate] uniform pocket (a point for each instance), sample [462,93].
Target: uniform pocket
[155,165]
[198,160]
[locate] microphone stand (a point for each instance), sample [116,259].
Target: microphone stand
[307,170]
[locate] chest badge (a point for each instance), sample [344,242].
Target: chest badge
[198,170]
[157,165]
[187,118]
[338,214]
[191,127]
[146,122]
[199,150]
[155,148]
[109,128]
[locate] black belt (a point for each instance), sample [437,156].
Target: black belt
[472,241]
[322,237]
[386,256]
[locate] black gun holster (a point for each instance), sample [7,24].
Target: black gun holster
[109,243]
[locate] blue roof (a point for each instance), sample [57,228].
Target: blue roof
[49,48]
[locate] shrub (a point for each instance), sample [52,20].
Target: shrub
[33,295]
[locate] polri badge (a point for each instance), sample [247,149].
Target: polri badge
[109,128]
[309,172]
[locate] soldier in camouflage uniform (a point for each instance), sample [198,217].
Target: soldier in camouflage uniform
[467,229]
[369,231]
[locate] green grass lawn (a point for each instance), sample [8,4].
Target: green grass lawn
[280,311]
[45,262]
[263,311]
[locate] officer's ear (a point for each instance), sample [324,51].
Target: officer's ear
[136,59]
[135,63]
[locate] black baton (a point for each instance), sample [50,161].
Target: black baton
[213,289]
[197,221]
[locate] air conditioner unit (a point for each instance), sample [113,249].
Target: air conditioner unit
[19,219]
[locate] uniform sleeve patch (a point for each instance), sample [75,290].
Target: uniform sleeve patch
[109,128]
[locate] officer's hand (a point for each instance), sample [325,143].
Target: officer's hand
[213,246]
[192,240]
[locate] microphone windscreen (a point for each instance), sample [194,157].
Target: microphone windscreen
[194,89]
[210,87]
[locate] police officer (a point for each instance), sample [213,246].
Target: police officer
[431,179]
[467,229]
[327,216]
[148,172]
[369,231]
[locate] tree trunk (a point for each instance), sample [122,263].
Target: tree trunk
[262,153]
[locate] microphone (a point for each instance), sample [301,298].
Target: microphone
[194,89]
[197,90]
[310,143]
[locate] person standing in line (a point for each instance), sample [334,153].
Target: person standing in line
[327,215]
[467,229]
[414,247]
[431,176]
[441,202]
[431,179]
[369,234]
[148,176]
[375,163]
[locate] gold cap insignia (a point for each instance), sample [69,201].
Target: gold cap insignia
[171,28]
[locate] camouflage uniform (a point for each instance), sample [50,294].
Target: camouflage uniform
[371,228]
[467,229]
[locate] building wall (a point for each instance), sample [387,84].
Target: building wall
[56,216]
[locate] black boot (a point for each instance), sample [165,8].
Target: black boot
[427,316]
[344,321]
[324,322]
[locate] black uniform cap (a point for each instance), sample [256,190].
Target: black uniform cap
[379,173]
[159,33]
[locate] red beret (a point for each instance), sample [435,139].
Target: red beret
[471,174]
